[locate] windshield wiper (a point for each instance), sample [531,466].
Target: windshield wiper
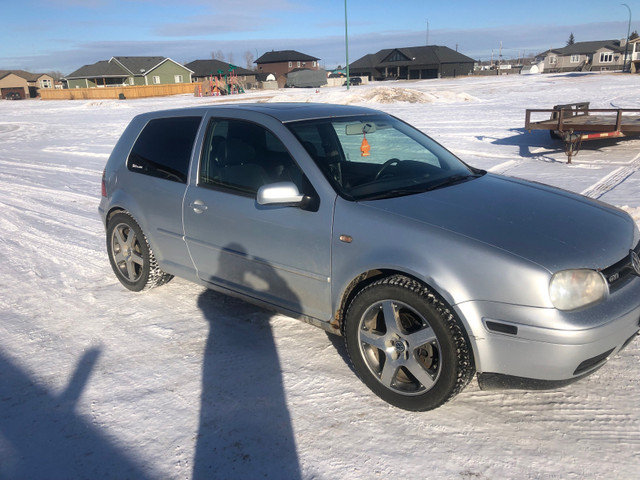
[423,187]
[452,180]
[398,192]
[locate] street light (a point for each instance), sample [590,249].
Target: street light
[626,45]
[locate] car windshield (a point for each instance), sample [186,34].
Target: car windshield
[378,156]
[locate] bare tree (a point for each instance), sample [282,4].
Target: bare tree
[56,75]
[248,59]
[217,55]
[230,57]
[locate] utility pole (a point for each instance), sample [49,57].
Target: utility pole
[626,45]
[346,41]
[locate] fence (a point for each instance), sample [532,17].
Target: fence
[114,92]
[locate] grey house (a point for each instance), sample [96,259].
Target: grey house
[205,69]
[601,55]
[120,71]
[412,63]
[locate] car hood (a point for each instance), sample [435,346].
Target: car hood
[548,226]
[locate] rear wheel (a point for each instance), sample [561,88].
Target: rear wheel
[130,255]
[406,344]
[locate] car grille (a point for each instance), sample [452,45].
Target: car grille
[618,274]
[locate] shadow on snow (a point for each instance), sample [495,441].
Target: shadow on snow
[245,427]
[41,435]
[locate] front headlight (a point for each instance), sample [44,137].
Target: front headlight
[572,289]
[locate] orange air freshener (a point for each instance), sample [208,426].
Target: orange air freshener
[364,147]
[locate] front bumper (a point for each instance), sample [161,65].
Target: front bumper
[527,347]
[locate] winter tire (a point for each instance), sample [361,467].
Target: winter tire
[406,344]
[131,256]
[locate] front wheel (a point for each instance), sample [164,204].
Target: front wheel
[130,255]
[406,344]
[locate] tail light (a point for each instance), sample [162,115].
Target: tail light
[104,187]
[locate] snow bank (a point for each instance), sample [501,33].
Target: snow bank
[378,95]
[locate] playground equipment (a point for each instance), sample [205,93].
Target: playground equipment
[224,83]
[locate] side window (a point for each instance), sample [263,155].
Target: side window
[242,156]
[164,147]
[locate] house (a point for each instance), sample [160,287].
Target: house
[23,84]
[633,55]
[120,71]
[601,55]
[281,62]
[413,63]
[205,69]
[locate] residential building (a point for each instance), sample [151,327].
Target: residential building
[120,71]
[281,62]
[633,55]
[601,55]
[412,63]
[24,84]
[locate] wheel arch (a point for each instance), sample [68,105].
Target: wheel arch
[114,211]
[366,278]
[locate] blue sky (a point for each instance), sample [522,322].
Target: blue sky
[63,35]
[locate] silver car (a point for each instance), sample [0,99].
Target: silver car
[354,221]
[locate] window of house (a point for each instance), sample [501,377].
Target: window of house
[606,57]
[177,78]
[315,64]
[164,148]
[298,64]
[396,57]
[575,59]
[290,64]
[45,83]
[553,60]
[156,80]
[131,81]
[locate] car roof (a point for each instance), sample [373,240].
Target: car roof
[284,112]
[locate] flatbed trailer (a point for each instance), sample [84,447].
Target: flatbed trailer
[576,122]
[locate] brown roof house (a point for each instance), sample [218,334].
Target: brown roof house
[281,62]
[23,84]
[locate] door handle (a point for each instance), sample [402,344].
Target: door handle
[198,206]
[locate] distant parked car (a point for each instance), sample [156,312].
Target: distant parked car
[353,81]
[356,222]
[13,96]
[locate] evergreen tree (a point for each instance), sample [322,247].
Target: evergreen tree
[633,35]
[571,40]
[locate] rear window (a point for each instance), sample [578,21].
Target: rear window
[164,147]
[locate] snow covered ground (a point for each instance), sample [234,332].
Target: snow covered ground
[180,382]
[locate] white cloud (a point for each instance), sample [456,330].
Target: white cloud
[475,43]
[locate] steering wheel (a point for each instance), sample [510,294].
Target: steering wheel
[385,166]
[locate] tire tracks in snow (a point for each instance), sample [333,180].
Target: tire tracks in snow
[612,180]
